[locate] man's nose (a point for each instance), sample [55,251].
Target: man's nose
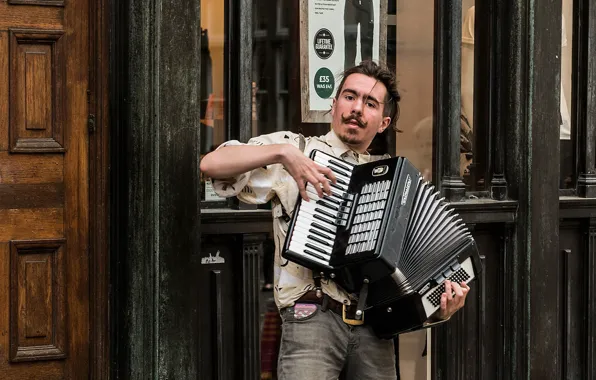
[357,107]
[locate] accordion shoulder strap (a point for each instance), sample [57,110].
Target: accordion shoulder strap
[301,142]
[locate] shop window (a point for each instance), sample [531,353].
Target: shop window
[270,65]
[567,180]
[414,61]
[414,68]
[213,129]
[467,93]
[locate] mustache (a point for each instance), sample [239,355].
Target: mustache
[346,119]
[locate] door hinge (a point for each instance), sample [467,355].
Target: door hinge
[91,123]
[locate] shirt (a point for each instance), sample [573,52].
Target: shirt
[274,183]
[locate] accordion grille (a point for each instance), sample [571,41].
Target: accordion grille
[459,276]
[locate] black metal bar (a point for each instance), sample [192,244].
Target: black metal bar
[496,148]
[590,271]
[583,102]
[447,99]
[250,302]
[238,69]
[218,334]
[484,62]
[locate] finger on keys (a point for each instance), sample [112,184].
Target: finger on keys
[325,183]
[317,185]
[302,189]
[457,289]
[459,294]
[448,289]
[465,287]
[328,173]
[444,302]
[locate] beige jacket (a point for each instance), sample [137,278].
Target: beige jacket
[274,183]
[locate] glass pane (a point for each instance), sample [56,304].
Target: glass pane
[260,73]
[260,14]
[567,166]
[213,124]
[467,96]
[271,66]
[414,62]
[283,16]
[262,107]
[282,65]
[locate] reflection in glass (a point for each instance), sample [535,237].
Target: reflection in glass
[213,129]
[566,164]
[414,65]
[271,66]
[414,68]
[467,89]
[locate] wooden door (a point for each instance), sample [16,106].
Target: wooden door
[44,275]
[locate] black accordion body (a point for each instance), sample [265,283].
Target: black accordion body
[386,234]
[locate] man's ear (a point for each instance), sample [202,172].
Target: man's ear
[333,108]
[384,124]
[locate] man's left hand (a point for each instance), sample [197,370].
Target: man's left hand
[450,303]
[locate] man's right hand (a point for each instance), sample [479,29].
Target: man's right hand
[304,171]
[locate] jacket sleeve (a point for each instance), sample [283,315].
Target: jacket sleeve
[256,186]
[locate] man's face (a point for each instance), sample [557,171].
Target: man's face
[358,111]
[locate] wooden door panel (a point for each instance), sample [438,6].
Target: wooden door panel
[36,100]
[44,269]
[37,300]
[18,16]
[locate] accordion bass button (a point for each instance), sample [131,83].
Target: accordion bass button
[448,273]
[389,310]
[455,267]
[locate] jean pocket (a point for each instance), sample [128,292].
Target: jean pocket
[300,312]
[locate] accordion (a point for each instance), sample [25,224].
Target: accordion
[385,234]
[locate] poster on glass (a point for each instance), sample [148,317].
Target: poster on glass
[335,35]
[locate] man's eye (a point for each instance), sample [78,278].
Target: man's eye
[371,105]
[349,97]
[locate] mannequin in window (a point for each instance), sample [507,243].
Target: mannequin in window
[358,12]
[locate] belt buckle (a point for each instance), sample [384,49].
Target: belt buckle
[350,321]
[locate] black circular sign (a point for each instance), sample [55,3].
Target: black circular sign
[324,43]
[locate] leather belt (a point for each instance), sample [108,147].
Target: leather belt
[347,312]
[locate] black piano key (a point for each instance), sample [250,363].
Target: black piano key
[336,171]
[325,212]
[323,228]
[316,216]
[319,233]
[331,184]
[312,246]
[327,204]
[342,182]
[317,255]
[319,240]
[339,165]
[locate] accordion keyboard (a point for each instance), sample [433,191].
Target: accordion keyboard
[316,222]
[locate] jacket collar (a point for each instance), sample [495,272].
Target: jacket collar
[341,150]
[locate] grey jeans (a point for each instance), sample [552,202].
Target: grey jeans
[321,346]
